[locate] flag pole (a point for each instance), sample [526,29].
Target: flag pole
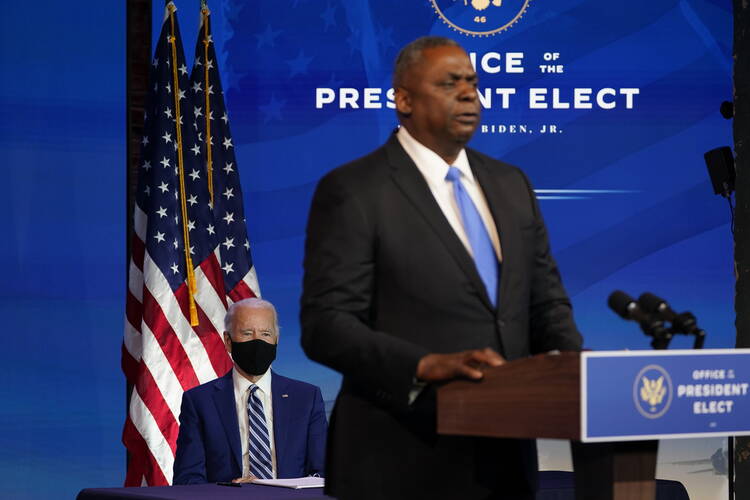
[181,173]
[206,41]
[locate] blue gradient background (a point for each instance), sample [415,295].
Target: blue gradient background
[62,154]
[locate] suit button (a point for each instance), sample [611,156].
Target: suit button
[500,324]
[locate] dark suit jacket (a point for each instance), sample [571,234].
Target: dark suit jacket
[387,281]
[208,445]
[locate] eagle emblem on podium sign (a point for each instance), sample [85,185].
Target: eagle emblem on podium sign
[652,391]
[480,17]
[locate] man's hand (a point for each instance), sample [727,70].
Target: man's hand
[437,367]
[247,479]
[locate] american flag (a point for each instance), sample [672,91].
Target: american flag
[176,298]
[211,123]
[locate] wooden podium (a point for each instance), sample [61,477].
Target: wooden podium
[540,397]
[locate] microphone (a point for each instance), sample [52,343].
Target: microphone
[681,323]
[627,308]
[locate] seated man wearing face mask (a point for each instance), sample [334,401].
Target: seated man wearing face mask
[252,422]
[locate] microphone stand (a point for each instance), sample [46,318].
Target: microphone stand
[700,337]
[685,323]
[655,329]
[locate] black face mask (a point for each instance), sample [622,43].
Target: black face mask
[253,356]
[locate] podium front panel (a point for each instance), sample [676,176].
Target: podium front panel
[636,395]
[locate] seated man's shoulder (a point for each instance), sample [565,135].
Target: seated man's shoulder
[209,387]
[297,385]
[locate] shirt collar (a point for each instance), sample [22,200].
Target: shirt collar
[429,162]
[241,384]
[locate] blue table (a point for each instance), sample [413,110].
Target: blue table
[553,485]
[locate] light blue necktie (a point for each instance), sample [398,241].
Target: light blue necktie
[259,444]
[476,232]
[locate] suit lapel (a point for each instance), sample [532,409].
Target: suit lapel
[410,181]
[507,228]
[225,405]
[281,415]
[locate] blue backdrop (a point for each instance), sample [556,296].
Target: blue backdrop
[642,216]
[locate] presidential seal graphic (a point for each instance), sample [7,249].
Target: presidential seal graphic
[480,17]
[652,391]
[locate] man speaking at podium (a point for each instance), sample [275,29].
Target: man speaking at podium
[425,261]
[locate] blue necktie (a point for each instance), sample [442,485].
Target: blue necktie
[476,232]
[259,444]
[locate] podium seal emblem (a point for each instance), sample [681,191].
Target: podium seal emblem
[652,391]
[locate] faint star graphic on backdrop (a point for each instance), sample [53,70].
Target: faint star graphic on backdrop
[329,17]
[268,37]
[231,77]
[272,110]
[299,64]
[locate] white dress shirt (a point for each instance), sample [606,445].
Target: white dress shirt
[434,169]
[241,394]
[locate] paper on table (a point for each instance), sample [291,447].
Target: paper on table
[295,483]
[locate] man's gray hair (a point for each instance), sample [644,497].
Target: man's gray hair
[411,55]
[251,303]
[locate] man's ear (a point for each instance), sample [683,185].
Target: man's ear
[402,99]
[228,342]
